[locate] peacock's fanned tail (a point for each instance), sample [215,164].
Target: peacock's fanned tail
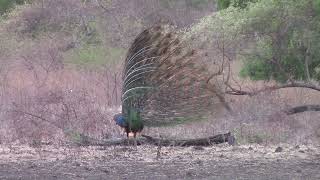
[166,81]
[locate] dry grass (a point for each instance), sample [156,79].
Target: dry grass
[43,98]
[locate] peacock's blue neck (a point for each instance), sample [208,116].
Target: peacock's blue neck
[120,120]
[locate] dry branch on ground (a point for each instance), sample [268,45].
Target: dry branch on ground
[148,140]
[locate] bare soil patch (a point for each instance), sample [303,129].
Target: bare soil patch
[120,162]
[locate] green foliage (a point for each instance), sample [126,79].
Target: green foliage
[255,69]
[293,44]
[198,3]
[242,3]
[223,4]
[281,38]
[94,56]
[316,5]
[21,1]
[6,5]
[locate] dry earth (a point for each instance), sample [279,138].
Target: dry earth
[216,162]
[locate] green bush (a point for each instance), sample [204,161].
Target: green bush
[255,69]
[283,50]
[198,3]
[6,5]
[223,4]
[94,56]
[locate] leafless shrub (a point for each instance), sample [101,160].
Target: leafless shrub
[45,100]
[127,18]
[52,16]
[55,110]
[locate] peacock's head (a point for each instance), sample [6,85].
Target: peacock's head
[120,121]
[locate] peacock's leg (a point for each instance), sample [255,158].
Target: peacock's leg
[135,140]
[128,140]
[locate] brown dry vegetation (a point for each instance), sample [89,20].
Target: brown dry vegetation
[61,76]
[61,65]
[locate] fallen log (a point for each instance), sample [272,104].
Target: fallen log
[148,140]
[208,141]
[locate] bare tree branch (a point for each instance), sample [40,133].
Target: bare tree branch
[39,117]
[294,84]
[304,108]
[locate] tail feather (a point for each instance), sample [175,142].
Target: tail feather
[167,80]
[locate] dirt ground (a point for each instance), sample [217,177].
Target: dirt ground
[216,162]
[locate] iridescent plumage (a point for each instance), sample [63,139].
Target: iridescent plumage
[165,82]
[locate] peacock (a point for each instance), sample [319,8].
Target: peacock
[166,82]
